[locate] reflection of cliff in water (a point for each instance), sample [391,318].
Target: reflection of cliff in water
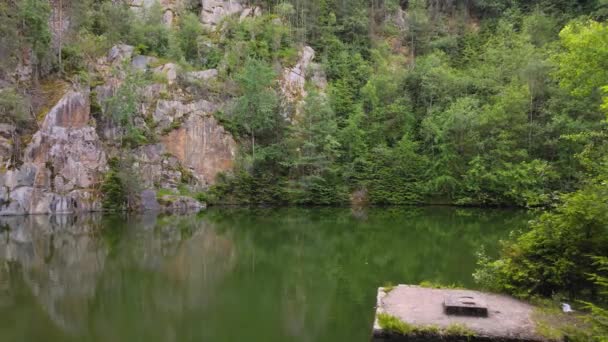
[59,258]
[72,265]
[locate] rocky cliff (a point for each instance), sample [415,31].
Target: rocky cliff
[61,169]
[61,166]
[58,165]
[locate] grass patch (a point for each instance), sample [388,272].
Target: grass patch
[175,124]
[164,192]
[394,324]
[434,285]
[388,287]
[51,92]
[552,323]
[456,329]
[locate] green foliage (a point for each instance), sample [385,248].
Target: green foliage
[583,66]
[599,314]
[314,149]
[461,330]
[394,324]
[189,38]
[555,254]
[24,27]
[261,38]
[113,189]
[123,106]
[13,107]
[9,38]
[468,103]
[255,111]
[396,176]
[149,33]
[34,16]
[111,20]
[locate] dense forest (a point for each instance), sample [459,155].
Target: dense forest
[461,102]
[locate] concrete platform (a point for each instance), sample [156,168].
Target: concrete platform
[423,310]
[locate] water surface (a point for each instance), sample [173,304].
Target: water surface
[228,274]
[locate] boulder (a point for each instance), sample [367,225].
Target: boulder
[168,70]
[293,81]
[141,62]
[22,177]
[250,12]
[214,11]
[120,53]
[168,17]
[18,202]
[202,76]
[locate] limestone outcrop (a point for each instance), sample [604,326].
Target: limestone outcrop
[202,145]
[214,11]
[293,80]
[62,164]
[169,8]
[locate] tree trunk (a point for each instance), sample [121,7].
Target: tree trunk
[60,36]
[253,145]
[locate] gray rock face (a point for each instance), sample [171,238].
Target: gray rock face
[169,8]
[180,204]
[24,70]
[202,76]
[168,70]
[156,168]
[148,201]
[141,62]
[62,164]
[250,12]
[215,10]
[201,144]
[294,79]
[119,53]
[167,112]
[7,133]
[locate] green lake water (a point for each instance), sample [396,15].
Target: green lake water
[229,274]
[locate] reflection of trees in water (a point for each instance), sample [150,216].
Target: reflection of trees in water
[281,274]
[329,261]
